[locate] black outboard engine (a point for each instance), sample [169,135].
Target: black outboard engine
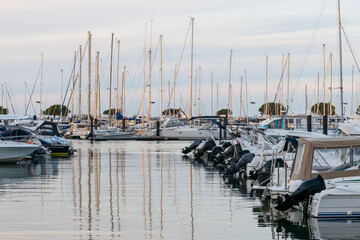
[220,158]
[240,163]
[220,148]
[244,160]
[192,146]
[236,158]
[262,175]
[305,190]
[203,147]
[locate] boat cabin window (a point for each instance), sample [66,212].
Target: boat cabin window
[331,160]
[299,158]
[47,130]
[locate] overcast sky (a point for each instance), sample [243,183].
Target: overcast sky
[253,29]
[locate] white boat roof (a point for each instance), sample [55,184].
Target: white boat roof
[29,124]
[13,117]
[295,133]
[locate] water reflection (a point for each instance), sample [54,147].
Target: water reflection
[134,190]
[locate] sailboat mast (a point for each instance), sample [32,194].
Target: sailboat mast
[229,94]
[306,100]
[266,90]
[282,85]
[288,85]
[89,75]
[331,88]
[199,107]
[111,58]
[41,79]
[2,98]
[246,92]
[161,91]
[352,91]
[191,65]
[148,118]
[96,86]
[195,93]
[318,94]
[123,92]
[340,65]
[324,81]
[241,84]
[174,86]
[217,97]
[80,66]
[212,94]
[73,89]
[117,78]
[143,81]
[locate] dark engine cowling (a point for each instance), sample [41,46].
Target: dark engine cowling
[244,160]
[304,191]
[220,158]
[192,146]
[220,148]
[203,147]
[240,162]
[264,171]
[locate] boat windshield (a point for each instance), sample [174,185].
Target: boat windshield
[333,160]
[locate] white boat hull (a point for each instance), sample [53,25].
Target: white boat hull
[13,152]
[339,202]
[189,133]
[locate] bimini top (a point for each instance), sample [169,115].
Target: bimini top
[303,165]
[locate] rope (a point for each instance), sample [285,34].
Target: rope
[32,92]
[67,89]
[351,48]
[308,49]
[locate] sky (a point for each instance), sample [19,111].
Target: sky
[252,29]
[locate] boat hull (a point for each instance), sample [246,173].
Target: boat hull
[342,202]
[12,153]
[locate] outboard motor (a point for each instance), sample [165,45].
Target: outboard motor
[240,163]
[262,175]
[304,191]
[220,158]
[203,147]
[192,146]
[220,148]
[244,160]
[236,158]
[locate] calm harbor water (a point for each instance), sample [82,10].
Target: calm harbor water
[140,190]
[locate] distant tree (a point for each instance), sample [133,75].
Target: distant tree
[223,111]
[112,112]
[318,108]
[171,111]
[273,108]
[55,110]
[6,111]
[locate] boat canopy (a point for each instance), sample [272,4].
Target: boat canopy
[313,150]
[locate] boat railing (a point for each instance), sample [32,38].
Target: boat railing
[25,138]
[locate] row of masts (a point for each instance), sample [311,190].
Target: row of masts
[97,112]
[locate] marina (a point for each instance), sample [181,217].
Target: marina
[181,120]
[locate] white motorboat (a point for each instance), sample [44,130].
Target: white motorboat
[173,128]
[49,136]
[335,163]
[12,152]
